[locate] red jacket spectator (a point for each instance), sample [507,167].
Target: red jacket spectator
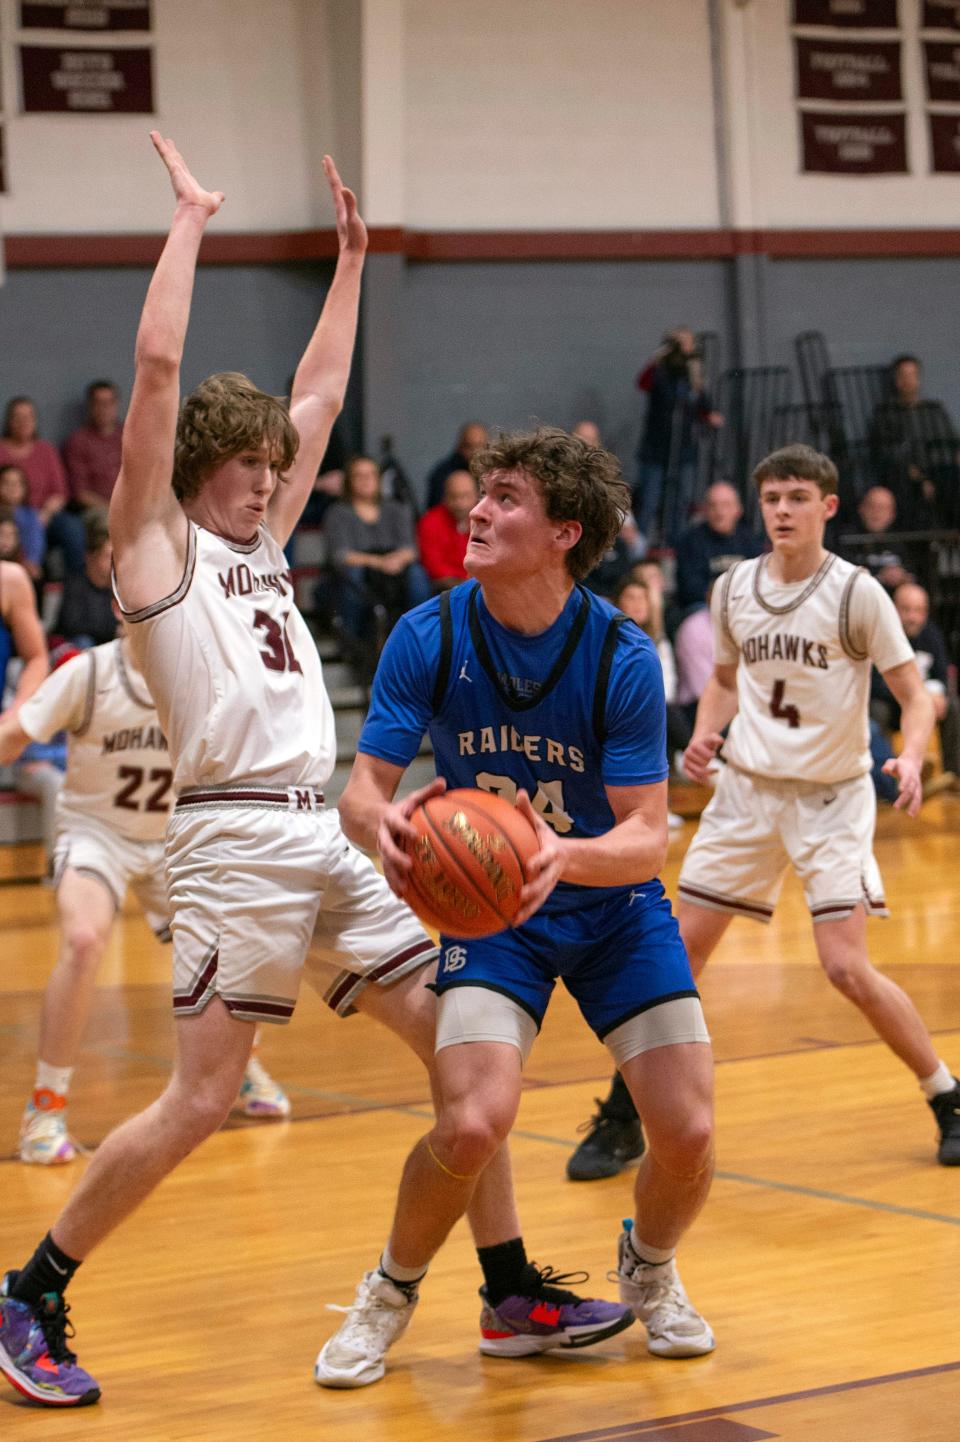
[92,453]
[443,531]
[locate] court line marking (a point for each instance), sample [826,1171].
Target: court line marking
[630,1429]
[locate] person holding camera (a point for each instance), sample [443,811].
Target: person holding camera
[678,406]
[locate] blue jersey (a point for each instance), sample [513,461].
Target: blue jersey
[562,714]
[6,651]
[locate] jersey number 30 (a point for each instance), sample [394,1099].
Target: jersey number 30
[547,803]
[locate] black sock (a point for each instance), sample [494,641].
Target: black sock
[48,1270]
[503,1267]
[620,1103]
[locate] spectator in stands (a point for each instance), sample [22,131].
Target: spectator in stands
[677,407]
[926,638]
[443,531]
[46,479]
[913,446]
[370,544]
[472,436]
[634,600]
[884,560]
[714,544]
[9,536]
[33,539]
[86,610]
[92,453]
[693,648]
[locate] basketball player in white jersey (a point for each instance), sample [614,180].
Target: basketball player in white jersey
[796,634]
[111,818]
[257,869]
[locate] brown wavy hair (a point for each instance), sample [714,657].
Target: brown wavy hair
[802,462]
[579,482]
[225,416]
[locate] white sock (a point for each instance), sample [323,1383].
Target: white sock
[392,1269]
[937,1082]
[652,1256]
[53,1078]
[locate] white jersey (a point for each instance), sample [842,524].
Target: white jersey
[118,769]
[234,670]
[803,679]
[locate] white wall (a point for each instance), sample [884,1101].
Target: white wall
[249,103]
[541,114]
[782,196]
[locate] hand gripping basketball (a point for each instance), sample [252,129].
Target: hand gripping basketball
[469,862]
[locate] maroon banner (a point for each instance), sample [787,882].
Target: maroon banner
[85,14]
[847,14]
[941,15]
[942,70]
[944,143]
[101,82]
[861,70]
[854,142]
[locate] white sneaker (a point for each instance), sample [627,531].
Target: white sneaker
[353,1357]
[674,822]
[656,1294]
[260,1095]
[44,1138]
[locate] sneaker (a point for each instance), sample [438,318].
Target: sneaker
[381,1312]
[260,1096]
[545,1316]
[674,822]
[43,1130]
[34,1356]
[946,1109]
[611,1143]
[656,1294]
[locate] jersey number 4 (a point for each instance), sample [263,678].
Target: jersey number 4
[133,776]
[547,803]
[790,714]
[278,655]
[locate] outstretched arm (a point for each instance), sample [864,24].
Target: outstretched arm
[320,382]
[143,508]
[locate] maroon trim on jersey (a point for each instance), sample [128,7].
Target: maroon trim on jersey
[276,797]
[126,681]
[244,547]
[757,909]
[147,613]
[189,1001]
[725,583]
[805,594]
[846,640]
[90,697]
[844,908]
[265,1010]
[350,981]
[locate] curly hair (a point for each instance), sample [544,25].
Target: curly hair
[800,462]
[578,482]
[225,416]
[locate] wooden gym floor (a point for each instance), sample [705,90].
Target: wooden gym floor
[827,1258]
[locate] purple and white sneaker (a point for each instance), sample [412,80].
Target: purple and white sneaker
[542,1317]
[34,1356]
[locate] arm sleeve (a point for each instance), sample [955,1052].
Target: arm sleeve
[874,626]
[59,704]
[635,746]
[401,702]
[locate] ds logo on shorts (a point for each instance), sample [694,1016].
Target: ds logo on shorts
[454,958]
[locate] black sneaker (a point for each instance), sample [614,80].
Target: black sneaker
[946,1109]
[611,1143]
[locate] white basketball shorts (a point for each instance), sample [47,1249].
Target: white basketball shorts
[753,829]
[88,846]
[258,889]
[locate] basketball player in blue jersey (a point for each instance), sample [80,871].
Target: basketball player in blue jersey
[532,688]
[21,633]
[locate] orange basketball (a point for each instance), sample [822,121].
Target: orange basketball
[468,862]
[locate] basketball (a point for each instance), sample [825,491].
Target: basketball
[468,862]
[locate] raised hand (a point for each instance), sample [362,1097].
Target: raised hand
[187,190]
[351,231]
